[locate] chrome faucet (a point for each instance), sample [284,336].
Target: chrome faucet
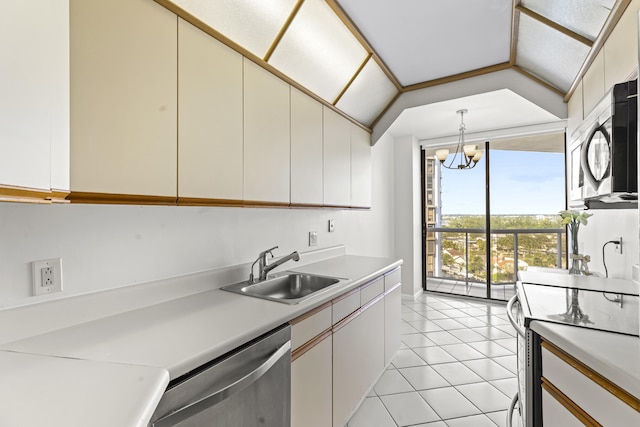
[263,263]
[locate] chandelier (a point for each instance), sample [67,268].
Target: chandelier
[469,154]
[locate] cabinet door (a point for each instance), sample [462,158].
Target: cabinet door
[587,392]
[123,97]
[306,149]
[347,372]
[337,159]
[209,117]
[266,136]
[593,84]
[620,49]
[311,386]
[392,315]
[34,94]
[372,338]
[360,167]
[554,414]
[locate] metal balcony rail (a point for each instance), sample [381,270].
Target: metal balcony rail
[437,234]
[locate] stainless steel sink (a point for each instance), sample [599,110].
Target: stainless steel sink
[287,287]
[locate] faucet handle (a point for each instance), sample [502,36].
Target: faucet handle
[268,251]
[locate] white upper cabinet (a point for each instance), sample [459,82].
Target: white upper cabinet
[337,159]
[360,167]
[34,100]
[266,136]
[593,84]
[209,117]
[306,149]
[123,97]
[621,48]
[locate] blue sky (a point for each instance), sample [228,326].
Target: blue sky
[521,183]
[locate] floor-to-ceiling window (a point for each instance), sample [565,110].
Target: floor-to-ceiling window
[484,224]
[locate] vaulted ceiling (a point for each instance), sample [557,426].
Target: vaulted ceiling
[361,56]
[422,42]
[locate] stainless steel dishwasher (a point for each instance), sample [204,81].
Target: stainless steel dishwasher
[248,387]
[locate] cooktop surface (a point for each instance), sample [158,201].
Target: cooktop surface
[606,311]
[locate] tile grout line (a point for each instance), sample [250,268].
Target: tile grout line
[490,350]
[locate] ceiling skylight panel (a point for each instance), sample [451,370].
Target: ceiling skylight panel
[549,54]
[368,94]
[253,24]
[584,17]
[318,51]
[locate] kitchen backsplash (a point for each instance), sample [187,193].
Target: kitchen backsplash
[105,246]
[605,225]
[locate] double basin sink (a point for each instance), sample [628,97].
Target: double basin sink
[287,287]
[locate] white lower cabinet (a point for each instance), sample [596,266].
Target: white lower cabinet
[340,349]
[392,318]
[555,414]
[372,343]
[311,386]
[348,382]
[583,393]
[358,358]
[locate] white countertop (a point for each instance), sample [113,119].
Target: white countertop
[614,356]
[169,338]
[53,391]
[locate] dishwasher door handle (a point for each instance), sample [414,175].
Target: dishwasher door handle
[219,395]
[519,328]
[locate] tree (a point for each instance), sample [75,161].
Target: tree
[448,260]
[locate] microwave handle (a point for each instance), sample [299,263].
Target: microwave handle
[216,396]
[514,322]
[584,155]
[512,407]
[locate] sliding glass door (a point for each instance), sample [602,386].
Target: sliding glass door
[484,224]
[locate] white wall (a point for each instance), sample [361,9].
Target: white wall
[104,247]
[408,218]
[607,225]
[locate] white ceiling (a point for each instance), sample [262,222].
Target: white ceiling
[421,40]
[487,112]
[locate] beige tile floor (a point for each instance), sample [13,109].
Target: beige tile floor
[456,367]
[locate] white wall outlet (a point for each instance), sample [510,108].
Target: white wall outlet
[331,226]
[47,276]
[619,245]
[313,238]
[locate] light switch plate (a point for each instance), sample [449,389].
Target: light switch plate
[313,238]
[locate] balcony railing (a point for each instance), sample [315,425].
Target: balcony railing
[460,253]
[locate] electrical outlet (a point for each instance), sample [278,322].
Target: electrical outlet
[47,276]
[313,238]
[619,245]
[331,226]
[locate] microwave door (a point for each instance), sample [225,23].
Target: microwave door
[595,159]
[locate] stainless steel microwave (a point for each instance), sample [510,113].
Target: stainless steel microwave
[604,153]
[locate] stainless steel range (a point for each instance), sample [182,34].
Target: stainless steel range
[581,304]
